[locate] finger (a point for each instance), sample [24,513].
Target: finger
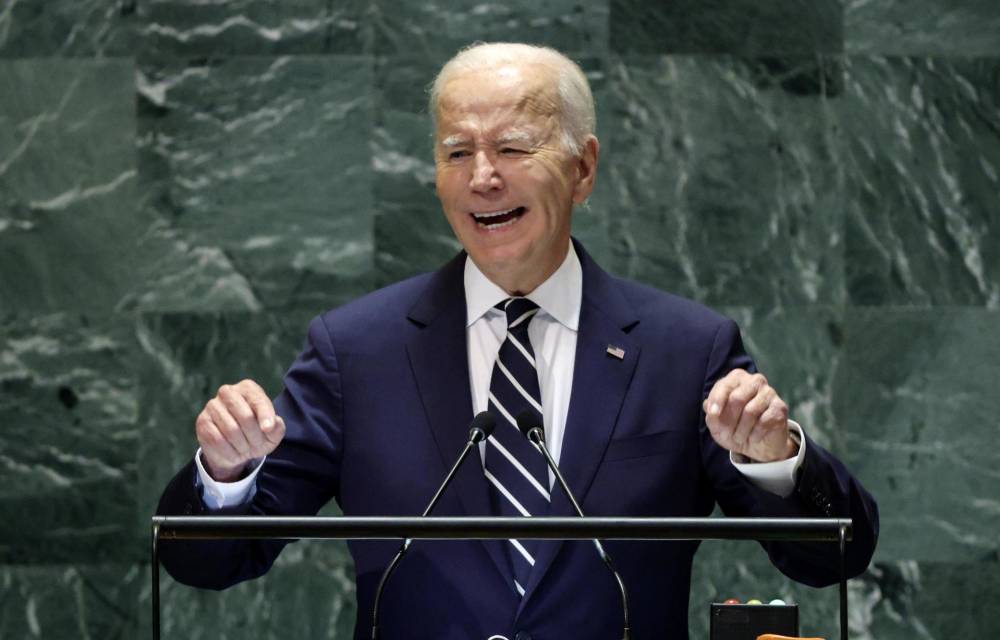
[773,419]
[716,401]
[719,394]
[750,416]
[239,408]
[228,427]
[749,387]
[214,445]
[275,435]
[259,402]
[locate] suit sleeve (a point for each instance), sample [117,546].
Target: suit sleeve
[824,489]
[297,478]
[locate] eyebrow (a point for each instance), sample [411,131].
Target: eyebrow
[516,136]
[454,141]
[458,140]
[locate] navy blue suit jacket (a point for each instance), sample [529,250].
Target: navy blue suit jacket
[377,407]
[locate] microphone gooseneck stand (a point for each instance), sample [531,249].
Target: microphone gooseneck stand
[528,424]
[480,429]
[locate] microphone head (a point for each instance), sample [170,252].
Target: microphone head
[482,426]
[529,421]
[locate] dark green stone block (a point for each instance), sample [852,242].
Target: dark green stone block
[938,28]
[258,173]
[921,162]
[726,179]
[83,28]
[68,220]
[69,404]
[255,27]
[916,398]
[744,27]
[72,601]
[440,29]
[909,599]
[309,593]
[186,357]
[411,233]
[798,349]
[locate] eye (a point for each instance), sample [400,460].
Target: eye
[457,154]
[513,151]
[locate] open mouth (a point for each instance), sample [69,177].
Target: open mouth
[498,219]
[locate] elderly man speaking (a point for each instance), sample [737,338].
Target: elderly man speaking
[650,404]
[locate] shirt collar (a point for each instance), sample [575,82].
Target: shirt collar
[559,296]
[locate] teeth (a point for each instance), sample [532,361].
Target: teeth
[499,225]
[491,214]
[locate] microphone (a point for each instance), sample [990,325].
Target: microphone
[529,424]
[480,428]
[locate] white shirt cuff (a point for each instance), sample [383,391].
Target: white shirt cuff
[777,477]
[218,495]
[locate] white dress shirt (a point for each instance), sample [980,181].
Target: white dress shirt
[552,333]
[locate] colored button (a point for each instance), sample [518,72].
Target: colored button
[731,601]
[754,601]
[777,601]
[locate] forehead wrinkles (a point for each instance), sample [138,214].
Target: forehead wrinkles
[527,120]
[492,95]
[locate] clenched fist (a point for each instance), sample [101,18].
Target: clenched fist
[236,426]
[746,416]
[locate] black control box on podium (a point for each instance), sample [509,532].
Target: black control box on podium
[747,621]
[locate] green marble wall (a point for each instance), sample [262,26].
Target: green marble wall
[184,184]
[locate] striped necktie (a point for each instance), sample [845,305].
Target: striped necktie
[515,468]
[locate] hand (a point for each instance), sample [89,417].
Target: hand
[746,416]
[236,426]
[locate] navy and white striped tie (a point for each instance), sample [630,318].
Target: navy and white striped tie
[515,468]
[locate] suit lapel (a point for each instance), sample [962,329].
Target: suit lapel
[600,382]
[438,357]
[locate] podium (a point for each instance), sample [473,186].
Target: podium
[831,530]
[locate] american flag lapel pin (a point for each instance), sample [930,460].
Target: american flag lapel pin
[616,352]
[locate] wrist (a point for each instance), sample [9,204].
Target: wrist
[224,474]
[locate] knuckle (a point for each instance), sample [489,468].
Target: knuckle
[243,414]
[755,410]
[217,407]
[740,396]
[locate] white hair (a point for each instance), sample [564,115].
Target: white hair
[577,119]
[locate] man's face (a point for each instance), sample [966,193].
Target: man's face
[505,183]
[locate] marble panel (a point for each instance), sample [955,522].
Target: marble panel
[412,235]
[308,593]
[185,358]
[440,29]
[798,349]
[939,28]
[726,178]
[258,173]
[81,28]
[254,27]
[68,220]
[743,27]
[69,406]
[909,599]
[72,601]
[915,396]
[921,159]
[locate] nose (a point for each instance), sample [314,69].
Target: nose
[485,176]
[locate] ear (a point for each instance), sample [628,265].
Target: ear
[586,170]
